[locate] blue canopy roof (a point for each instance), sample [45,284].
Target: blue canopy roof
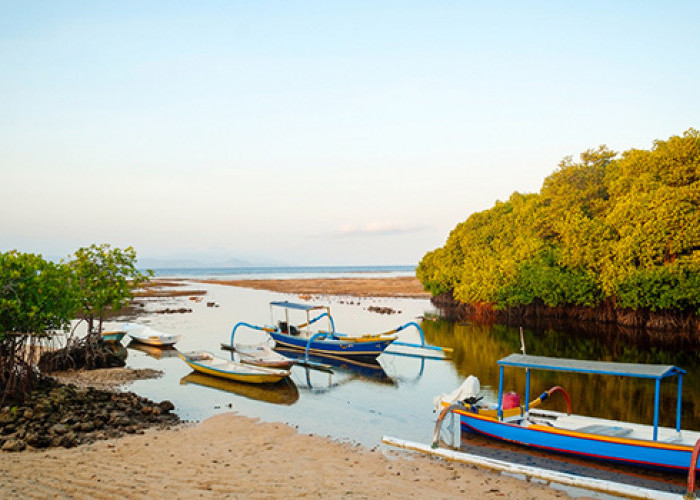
[599,367]
[294,305]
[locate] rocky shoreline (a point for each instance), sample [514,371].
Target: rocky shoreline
[65,415]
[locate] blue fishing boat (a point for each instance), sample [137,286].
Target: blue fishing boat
[327,342]
[650,446]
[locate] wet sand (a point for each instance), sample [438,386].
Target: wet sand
[231,456]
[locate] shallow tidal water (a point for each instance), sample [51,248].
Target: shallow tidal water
[361,403]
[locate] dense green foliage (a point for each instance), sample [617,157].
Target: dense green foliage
[39,298]
[36,297]
[104,278]
[620,228]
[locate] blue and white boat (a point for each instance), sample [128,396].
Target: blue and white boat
[327,342]
[650,446]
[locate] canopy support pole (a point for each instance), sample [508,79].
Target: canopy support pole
[678,402]
[656,408]
[500,394]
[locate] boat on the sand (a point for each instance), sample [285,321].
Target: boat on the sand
[205,362]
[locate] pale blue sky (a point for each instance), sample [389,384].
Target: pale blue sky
[316,133]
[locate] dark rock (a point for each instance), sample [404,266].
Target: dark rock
[58,429]
[14,445]
[38,440]
[166,406]
[86,426]
[69,440]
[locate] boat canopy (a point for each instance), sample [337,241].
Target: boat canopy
[293,305]
[597,367]
[654,372]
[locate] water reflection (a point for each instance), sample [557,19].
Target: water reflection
[284,392]
[154,352]
[478,347]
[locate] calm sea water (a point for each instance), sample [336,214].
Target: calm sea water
[284,272]
[395,396]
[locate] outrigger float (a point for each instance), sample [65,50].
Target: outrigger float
[329,342]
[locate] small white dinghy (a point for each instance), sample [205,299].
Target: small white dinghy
[149,336]
[260,355]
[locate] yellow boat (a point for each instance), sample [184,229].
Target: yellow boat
[207,363]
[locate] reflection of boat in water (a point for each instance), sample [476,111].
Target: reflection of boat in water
[365,369]
[206,362]
[153,351]
[281,393]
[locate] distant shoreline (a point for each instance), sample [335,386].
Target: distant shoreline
[395,286]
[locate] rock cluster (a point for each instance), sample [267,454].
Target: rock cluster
[382,310]
[66,415]
[181,310]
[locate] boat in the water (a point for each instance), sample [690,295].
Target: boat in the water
[325,342]
[650,446]
[259,355]
[149,336]
[283,392]
[205,362]
[113,336]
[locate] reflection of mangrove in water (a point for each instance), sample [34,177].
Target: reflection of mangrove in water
[154,352]
[477,347]
[283,392]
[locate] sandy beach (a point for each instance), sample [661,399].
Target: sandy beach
[233,456]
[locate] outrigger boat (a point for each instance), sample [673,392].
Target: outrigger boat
[327,342]
[149,336]
[207,363]
[594,438]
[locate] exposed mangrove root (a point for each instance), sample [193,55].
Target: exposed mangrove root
[88,352]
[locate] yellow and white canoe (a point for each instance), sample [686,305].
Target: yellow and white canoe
[207,363]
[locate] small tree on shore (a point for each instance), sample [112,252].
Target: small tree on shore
[105,278]
[36,301]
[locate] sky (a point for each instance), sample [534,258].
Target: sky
[311,132]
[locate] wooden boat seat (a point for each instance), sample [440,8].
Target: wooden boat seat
[606,430]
